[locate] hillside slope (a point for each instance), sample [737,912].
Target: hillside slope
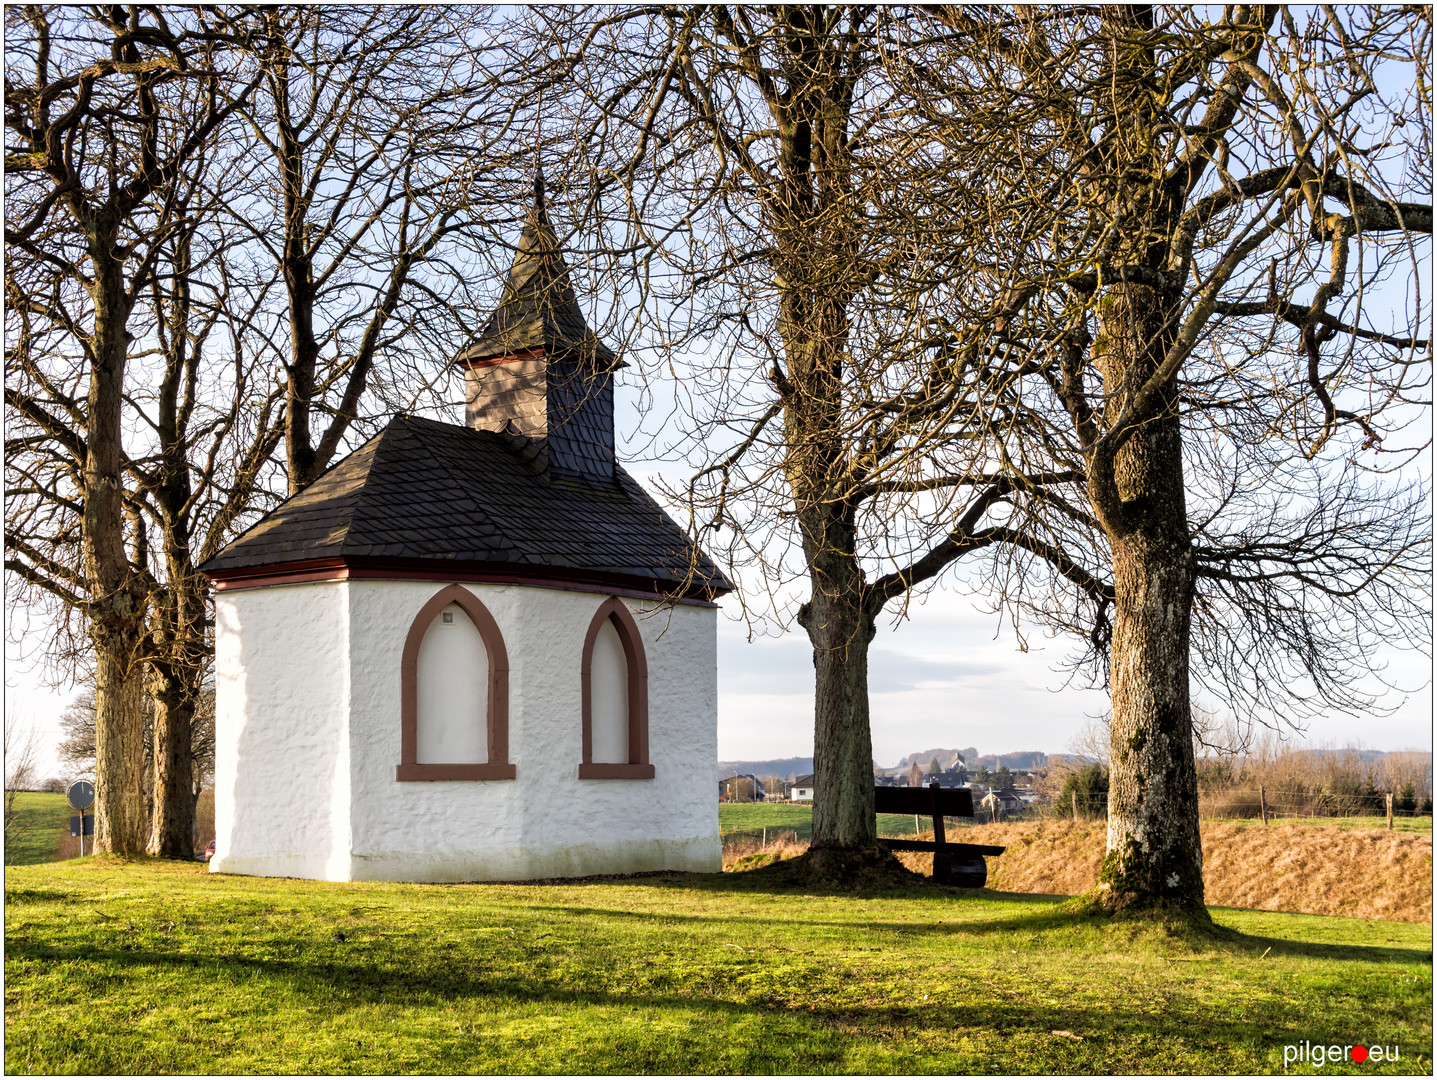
[1370,874]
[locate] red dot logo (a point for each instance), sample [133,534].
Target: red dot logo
[1359,1054]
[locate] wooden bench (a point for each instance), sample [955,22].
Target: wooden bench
[953,864]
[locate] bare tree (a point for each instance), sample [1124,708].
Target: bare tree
[95,147]
[759,166]
[377,129]
[76,749]
[1223,329]
[323,191]
[210,413]
[1108,291]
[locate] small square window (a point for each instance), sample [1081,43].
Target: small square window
[448,616]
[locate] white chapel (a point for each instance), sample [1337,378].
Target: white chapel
[473,653]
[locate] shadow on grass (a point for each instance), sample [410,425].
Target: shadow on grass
[1069,913]
[968,912]
[1117,1028]
[1259,944]
[1050,915]
[1047,913]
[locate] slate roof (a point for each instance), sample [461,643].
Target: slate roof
[538,308]
[441,493]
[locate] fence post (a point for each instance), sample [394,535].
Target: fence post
[1389,811]
[1075,805]
[1262,798]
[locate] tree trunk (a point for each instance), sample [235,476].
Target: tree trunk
[178,640]
[297,264]
[1154,852]
[116,609]
[1154,849]
[840,630]
[172,831]
[842,743]
[119,750]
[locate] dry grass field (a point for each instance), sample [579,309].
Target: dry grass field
[1369,874]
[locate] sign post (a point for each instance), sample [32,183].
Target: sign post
[81,796]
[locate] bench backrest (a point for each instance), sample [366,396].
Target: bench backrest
[949,802]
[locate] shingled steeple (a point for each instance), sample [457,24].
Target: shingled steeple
[537,370]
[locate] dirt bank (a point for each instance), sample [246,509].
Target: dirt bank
[1321,871]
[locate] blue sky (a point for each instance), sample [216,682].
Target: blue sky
[942,678]
[949,675]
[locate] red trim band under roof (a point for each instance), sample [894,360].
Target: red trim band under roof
[505,358]
[371,568]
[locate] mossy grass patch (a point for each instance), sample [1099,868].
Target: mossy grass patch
[143,966]
[41,819]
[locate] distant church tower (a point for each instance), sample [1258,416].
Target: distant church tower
[537,370]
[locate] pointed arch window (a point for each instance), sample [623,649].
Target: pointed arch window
[614,674]
[454,696]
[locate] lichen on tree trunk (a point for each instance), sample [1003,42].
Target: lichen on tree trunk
[172,828]
[119,751]
[1154,849]
[1154,853]
[840,632]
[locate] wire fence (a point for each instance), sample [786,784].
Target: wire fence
[1255,803]
[1270,802]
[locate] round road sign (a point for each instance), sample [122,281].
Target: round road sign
[81,794]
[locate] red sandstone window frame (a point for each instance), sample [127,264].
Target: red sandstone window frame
[638,766]
[498,767]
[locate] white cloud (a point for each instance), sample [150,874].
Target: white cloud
[942,678]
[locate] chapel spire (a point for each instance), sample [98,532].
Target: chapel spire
[537,307]
[537,370]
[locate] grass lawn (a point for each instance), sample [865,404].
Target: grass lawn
[40,817]
[125,967]
[754,817]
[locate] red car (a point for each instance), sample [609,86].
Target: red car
[209,852]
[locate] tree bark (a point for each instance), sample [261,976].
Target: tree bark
[298,266]
[814,247]
[172,830]
[1138,493]
[1154,852]
[117,607]
[179,646]
[840,629]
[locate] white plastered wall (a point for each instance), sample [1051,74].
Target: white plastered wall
[282,791]
[545,823]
